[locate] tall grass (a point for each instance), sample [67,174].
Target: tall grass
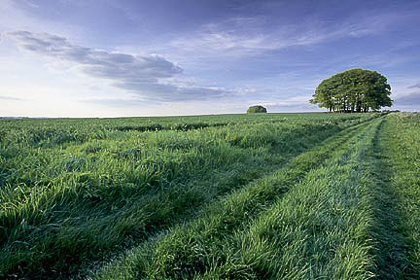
[319,230]
[207,246]
[347,209]
[74,192]
[398,151]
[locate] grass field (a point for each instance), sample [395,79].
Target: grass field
[264,196]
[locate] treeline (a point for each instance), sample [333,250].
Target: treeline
[355,90]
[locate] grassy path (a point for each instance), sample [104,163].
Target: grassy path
[348,209]
[198,247]
[319,230]
[355,218]
[397,174]
[388,232]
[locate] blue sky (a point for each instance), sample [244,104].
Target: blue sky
[74,58]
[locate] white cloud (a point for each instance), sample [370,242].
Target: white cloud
[2,97]
[149,76]
[409,102]
[415,86]
[293,101]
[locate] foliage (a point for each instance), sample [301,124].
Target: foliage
[354,90]
[256,109]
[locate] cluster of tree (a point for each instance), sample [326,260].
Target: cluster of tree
[355,90]
[256,109]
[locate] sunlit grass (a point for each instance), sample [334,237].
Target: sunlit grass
[273,196]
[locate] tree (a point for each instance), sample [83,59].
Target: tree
[355,90]
[256,109]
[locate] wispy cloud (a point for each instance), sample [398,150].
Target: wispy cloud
[2,97]
[149,76]
[412,99]
[118,102]
[301,101]
[254,35]
[414,86]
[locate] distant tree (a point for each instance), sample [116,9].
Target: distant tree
[355,90]
[256,109]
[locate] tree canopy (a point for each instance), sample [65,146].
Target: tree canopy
[355,90]
[256,109]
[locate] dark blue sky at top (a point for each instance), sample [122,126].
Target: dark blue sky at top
[112,20]
[271,52]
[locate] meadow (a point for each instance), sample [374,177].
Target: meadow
[257,196]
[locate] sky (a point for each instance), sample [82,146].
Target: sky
[106,58]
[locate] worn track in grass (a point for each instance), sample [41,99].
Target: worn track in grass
[396,173]
[191,250]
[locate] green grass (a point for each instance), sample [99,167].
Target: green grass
[318,230]
[397,173]
[198,247]
[273,196]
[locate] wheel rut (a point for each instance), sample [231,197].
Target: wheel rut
[391,245]
[295,171]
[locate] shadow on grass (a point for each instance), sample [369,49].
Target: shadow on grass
[391,243]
